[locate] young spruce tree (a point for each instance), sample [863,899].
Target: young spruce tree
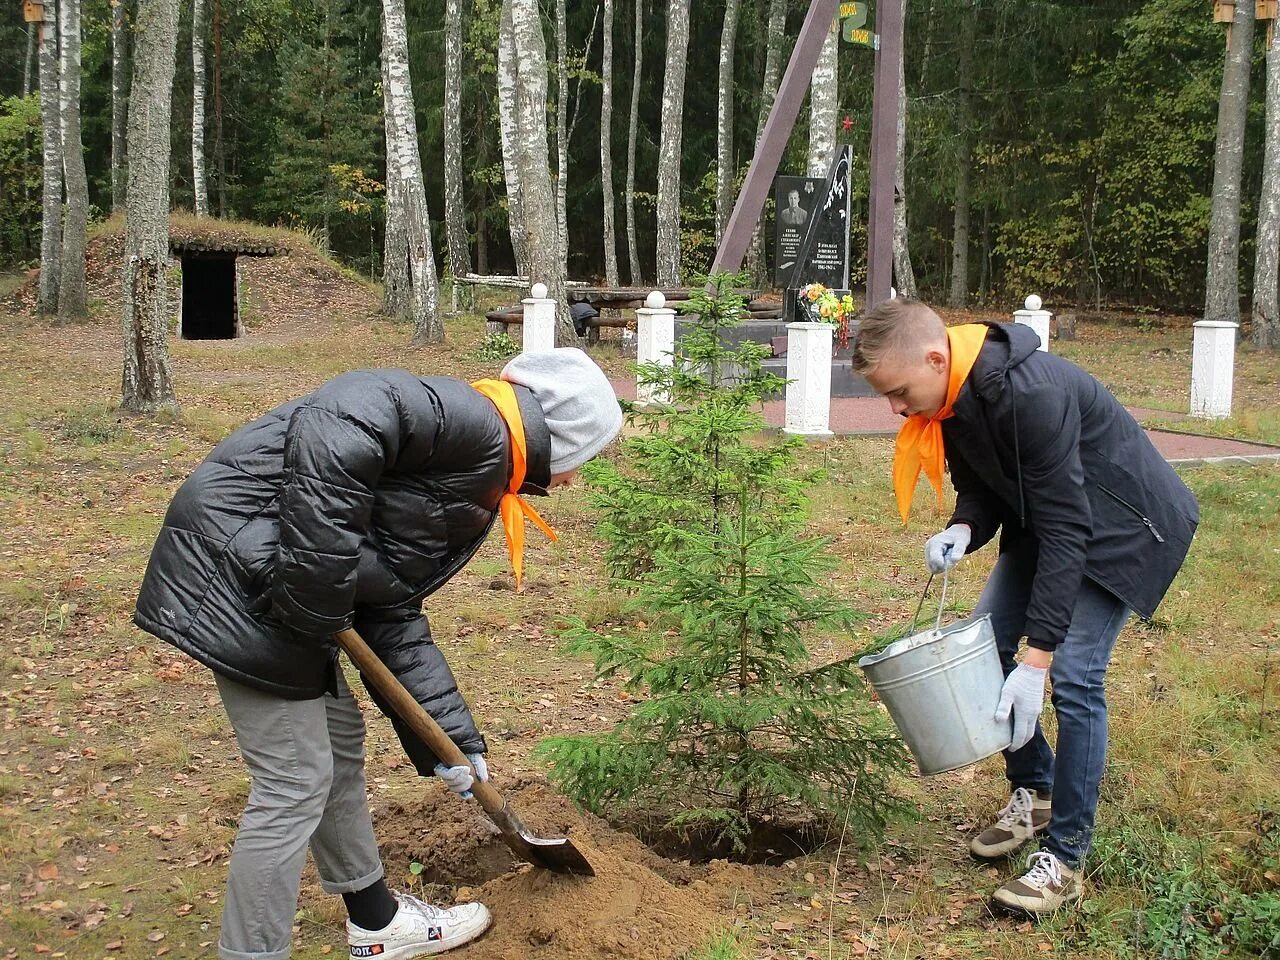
[704,525]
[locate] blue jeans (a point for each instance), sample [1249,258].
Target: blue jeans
[1079,701]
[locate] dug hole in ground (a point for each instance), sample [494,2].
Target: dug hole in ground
[638,904]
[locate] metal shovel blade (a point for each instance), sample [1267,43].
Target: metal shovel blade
[557,853]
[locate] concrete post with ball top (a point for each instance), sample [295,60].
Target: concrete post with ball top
[539,320]
[655,342]
[1034,317]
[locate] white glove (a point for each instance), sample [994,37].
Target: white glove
[459,779]
[1023,695]
[944,550]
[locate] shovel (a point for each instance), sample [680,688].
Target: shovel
[555,853]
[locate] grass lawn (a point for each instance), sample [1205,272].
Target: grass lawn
[120,785]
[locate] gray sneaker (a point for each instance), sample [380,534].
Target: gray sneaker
[1048,886]
[1026,814]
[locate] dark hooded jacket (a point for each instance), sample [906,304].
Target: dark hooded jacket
[1039,449]
[344,508]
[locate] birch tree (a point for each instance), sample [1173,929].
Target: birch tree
[958,295]
[507,133]
[119,101]
[147,384]
[199,182]
[72,293]
[455,205]
[823,99]
[904,275]
[670,138]
[562,134]
[395,246]
[1266,274]
[606,150]
[726,169]
[633,249]
[774,32]
[1222,282]
[541,239]
[424,294]
[51,125]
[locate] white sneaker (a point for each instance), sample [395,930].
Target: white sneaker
[419,929]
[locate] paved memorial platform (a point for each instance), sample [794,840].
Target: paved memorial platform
[871,416]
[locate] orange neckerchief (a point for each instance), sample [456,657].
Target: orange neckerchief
[511,506]
[919,444]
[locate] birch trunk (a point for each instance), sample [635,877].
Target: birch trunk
[119,101]
[633,251]
[823,98]
[726,169]
[72,294]
[541,238]
[51,124]
[606,149]
[507,132]
[1266,274]
[423,292]
[768,90]
[146,384]
[199,182]
[1222,283]
[670,138]
[904,275]
[395,248]
[455,204]
[958,295]
[562,136]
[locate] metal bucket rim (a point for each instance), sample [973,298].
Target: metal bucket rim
[904,645]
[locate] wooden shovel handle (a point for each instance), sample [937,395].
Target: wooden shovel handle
[412,713]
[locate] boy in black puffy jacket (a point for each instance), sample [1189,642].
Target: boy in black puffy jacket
[346,508]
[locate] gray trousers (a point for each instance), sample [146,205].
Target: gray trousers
[306,762]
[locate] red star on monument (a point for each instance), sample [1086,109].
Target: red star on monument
[847,124]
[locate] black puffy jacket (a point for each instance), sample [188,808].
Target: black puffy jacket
[1038,448]
[344,508]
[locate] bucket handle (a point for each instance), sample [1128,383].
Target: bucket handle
[942,601]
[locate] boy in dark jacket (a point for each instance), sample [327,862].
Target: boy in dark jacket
[1094,525]
[345,509]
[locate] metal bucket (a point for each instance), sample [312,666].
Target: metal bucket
[942,687]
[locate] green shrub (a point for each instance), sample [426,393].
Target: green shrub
[705,525]
[495,347]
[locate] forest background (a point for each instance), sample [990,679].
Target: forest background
[1078,135]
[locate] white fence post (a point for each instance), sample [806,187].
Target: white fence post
[539,320]
[655,341]
[808,407]
[1038,320]
[1213,354]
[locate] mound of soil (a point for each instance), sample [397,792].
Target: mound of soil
[637,905]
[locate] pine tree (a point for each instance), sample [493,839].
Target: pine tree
[706,527]
[323,125]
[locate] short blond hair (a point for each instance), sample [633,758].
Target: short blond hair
[895,326]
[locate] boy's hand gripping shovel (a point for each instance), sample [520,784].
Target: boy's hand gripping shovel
[557,854]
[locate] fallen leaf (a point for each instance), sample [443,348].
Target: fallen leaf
[155,936]
[47,871]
